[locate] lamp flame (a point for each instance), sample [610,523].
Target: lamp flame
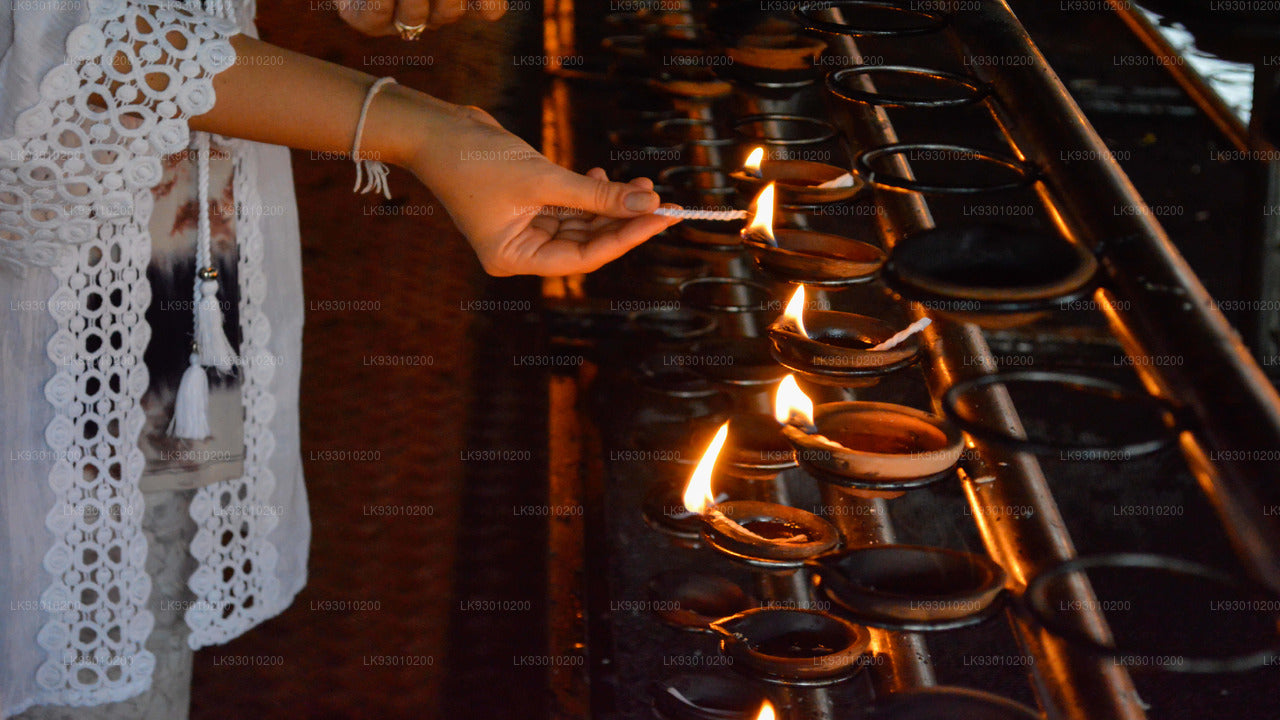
[795,312]
[791,405]
[766,712]
[752,165]
[761,224]
[697,495]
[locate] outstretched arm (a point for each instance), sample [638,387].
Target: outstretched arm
[499,191]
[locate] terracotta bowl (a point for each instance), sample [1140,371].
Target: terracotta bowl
[814,258]
[792,646]
[796,182]
[878,441]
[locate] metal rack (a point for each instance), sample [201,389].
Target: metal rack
[1227,408]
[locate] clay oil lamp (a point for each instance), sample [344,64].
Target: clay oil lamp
[841,349]
[760,534]
[788,54]
[671,327]
[770,60]
[990,275]
[869,449]
[794,647]
[742,366]
[911,587]
[702,143]
[692,600]
[805,256]
[743,308]
[706,696]
[799,182]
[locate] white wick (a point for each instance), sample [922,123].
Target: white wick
[902,335]
[690,214]
[797,538]
[844,181]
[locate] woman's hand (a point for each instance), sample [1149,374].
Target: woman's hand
[378,17]
[523,214]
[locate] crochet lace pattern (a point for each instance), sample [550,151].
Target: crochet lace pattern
[75,199]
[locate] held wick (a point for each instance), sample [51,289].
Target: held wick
[900,336]
[694,214]
[844,181]
[716,514]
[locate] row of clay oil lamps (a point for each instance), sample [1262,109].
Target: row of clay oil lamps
[865,448]
[868,449]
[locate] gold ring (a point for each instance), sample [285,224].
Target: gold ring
[409,32]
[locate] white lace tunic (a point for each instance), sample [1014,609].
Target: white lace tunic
[75,199]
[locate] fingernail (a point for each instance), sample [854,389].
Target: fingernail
[640,201]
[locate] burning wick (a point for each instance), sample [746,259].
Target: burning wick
[699,499]
[752,164]
[792,407]
[761,226]
[900,336]
[766,712]
[794,313]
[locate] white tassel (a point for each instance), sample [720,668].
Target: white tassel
[375,174]
[212,349]
[191,407]
[211,338]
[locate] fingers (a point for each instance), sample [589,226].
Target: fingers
[566,253]
[492,9]
[594,194]
[444,12]
[371,17]
[413,12]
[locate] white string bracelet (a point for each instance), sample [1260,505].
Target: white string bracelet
[377,170]
[702,214]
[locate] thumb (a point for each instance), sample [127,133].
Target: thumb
[599,196]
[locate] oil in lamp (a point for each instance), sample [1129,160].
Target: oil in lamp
[800,182]
[870,449]
[790,646]
[806,256]
[763,534]
[843,349]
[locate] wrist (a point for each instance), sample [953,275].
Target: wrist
[402,126]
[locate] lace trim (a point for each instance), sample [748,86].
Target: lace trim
[235,585]
[76,198]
